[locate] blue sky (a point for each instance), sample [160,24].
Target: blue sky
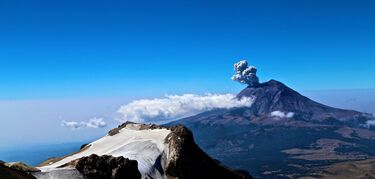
[70,49]
[77,59]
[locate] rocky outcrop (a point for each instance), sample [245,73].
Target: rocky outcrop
[97,167]
[106,166]
[187,160]
[21,167]
[10,173]
[116,130]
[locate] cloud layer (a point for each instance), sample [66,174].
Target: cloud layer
[172,107]
[91,123]
[245,74]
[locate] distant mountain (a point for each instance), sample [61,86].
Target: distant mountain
[283,134]
[158,152]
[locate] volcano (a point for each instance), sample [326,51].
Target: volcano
[283,134]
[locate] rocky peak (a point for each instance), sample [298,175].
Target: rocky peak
[187,160]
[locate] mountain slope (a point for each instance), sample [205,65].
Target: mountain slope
[161,152]
[283,134]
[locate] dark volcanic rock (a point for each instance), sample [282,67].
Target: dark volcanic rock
[108,167]
[10,173]
[189,161]
[83,146]
[116,130]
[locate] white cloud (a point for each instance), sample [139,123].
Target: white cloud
[91,123]
[281,114]
[70,124]
[173,107]
[369,123]
[95,123]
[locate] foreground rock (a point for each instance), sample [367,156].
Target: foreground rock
[108,167]
[11,173]
[188,161]
[160,152]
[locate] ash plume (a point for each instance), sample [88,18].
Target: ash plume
[245,74]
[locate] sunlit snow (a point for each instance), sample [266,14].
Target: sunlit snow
[145,146]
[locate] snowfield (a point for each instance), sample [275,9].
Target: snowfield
[145,146]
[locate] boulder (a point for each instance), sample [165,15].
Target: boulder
[98,167]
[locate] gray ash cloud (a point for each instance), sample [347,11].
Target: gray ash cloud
[245,74]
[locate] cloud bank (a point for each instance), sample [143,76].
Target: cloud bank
[173,107]
[91,123]
[281,114]
[245,74]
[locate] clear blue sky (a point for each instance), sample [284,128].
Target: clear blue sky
[75,48]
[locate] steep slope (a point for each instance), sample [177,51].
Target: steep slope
[283,134]
[161,152]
